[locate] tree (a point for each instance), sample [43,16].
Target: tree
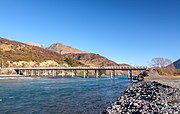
[161,62]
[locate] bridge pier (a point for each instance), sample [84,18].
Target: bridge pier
[63,73]
[130,74]
[97,73]
[75,73]
[39,72]
[35,72]
[85,73]
[53,72]
[45,72]
[72,73]
[24,73]
[112,73]
[31,72]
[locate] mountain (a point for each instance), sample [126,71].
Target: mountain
[92,59]
[63,49]
[13,53]
[35,44]
[17,54]
[89,59]
[175,64]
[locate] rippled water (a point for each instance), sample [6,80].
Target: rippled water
[60,95]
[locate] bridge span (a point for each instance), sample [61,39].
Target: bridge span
[55,71]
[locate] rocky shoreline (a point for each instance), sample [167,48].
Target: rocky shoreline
[147,97]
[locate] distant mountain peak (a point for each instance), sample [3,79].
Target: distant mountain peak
[176,64]
[35,44]
[63,49]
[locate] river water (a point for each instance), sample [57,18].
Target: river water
[60,95]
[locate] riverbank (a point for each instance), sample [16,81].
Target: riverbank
[154,95]
[173,81]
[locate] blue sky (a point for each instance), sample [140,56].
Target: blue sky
[126,31]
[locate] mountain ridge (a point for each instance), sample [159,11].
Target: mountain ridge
[89,59]
[63,49]
[92,59]
[35,44]
[175,64]
[14,53]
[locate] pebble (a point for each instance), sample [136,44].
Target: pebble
[147,97]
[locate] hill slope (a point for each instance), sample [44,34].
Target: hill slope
[14,51]
[63,49]
[35,44]
[91,59]
[176,64]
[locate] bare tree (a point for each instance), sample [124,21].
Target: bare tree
[161,62]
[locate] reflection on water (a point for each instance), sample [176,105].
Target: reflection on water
[60,95]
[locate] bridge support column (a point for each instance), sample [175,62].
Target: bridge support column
[35,72]
[63,73]
[75,73]
[31,72]
[112,73]
[72,73]
[97,73]
[38,72]
[53,72]
[130,74]
[25,73]
[85,73]
[45,72]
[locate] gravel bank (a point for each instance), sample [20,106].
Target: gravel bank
[147,97]
[173,81]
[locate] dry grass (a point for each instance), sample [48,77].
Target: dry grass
[168,71]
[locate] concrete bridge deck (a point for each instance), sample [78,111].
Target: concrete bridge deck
[85,68]
[45,70]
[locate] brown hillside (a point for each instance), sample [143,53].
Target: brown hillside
[86,58]
[91,59]
[63,49]
[17,51]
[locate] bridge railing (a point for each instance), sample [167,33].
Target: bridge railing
[85,68]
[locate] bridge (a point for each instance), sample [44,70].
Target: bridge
[55,71]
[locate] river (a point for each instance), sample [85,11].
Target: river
[60,95]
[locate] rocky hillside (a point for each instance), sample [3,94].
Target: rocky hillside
[175,64]
[86,58]
[91,59]
[35,44]
[63,49]
[13,51]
